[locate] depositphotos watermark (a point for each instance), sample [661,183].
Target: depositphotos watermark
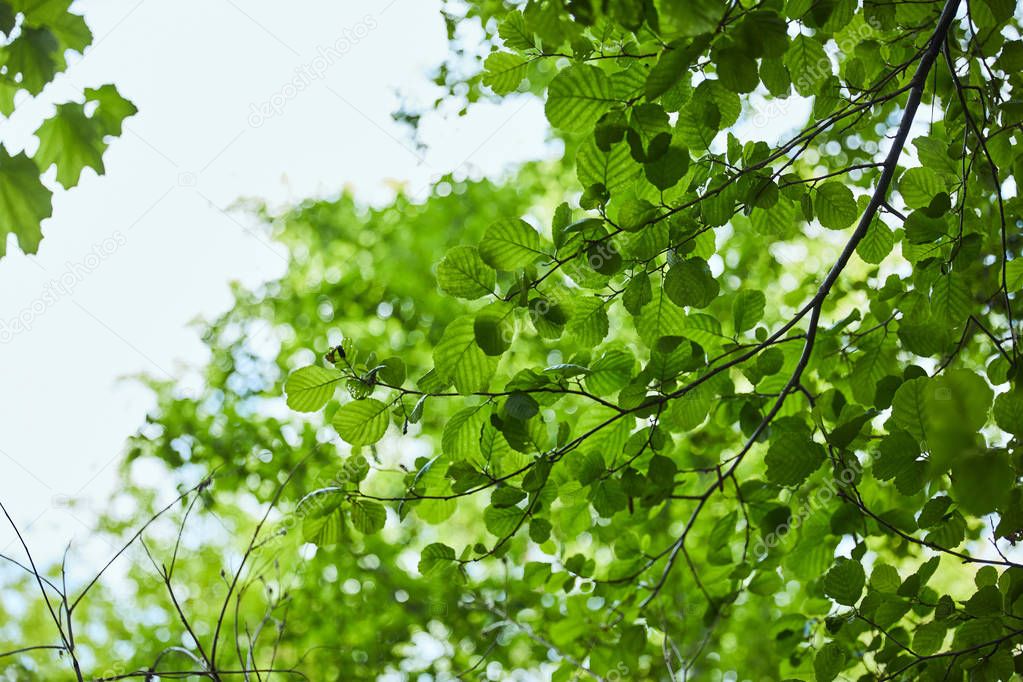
[312,71]
[61,287]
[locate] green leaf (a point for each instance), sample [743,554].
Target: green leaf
[589,323]
[690,18]
[614,169]
[540,530]
[957,405]
[933,153]
[111,109]
[463,273]
[502,521]
[33,54]
[503,71]
[891,611]
[628,84]
[610,373]
[747,309]
[71,141]
[934,511]
[951,299]
[70,30]
[780,220]
[690,283]
[587,467]
[462,433]
[362,422]
[704,330]
[515,33]
[665,171]
[844,582]
[808,64]
[309,388]
[835,205]
[392,371]
[775,77]
[981,481]
[494,329]
[766,32]
[1014,274]
[8,18]
[368,517]
[548,316]
[737,70]
[885,578]
[8,90]
[577,97]
[637,293]
[435,559]
[511,244]
[521,406]
[922,228]
[636,214]
[417,410]
[929,637]
[671,67]
[986,601]
[986,575]
[909,408]
[1008,412]
[321,515]
[792,457]
[608,497]
[41,12]
[896,455]
[459,360]
[24,202]
[877,243]
[828,662]
[660,317]
[919,186]
[698,124]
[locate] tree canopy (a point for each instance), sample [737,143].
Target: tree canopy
[730,391]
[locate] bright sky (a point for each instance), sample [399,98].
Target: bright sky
[145,249]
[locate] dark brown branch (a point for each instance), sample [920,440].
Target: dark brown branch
[877,199]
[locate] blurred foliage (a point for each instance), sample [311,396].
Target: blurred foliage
[690,403]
